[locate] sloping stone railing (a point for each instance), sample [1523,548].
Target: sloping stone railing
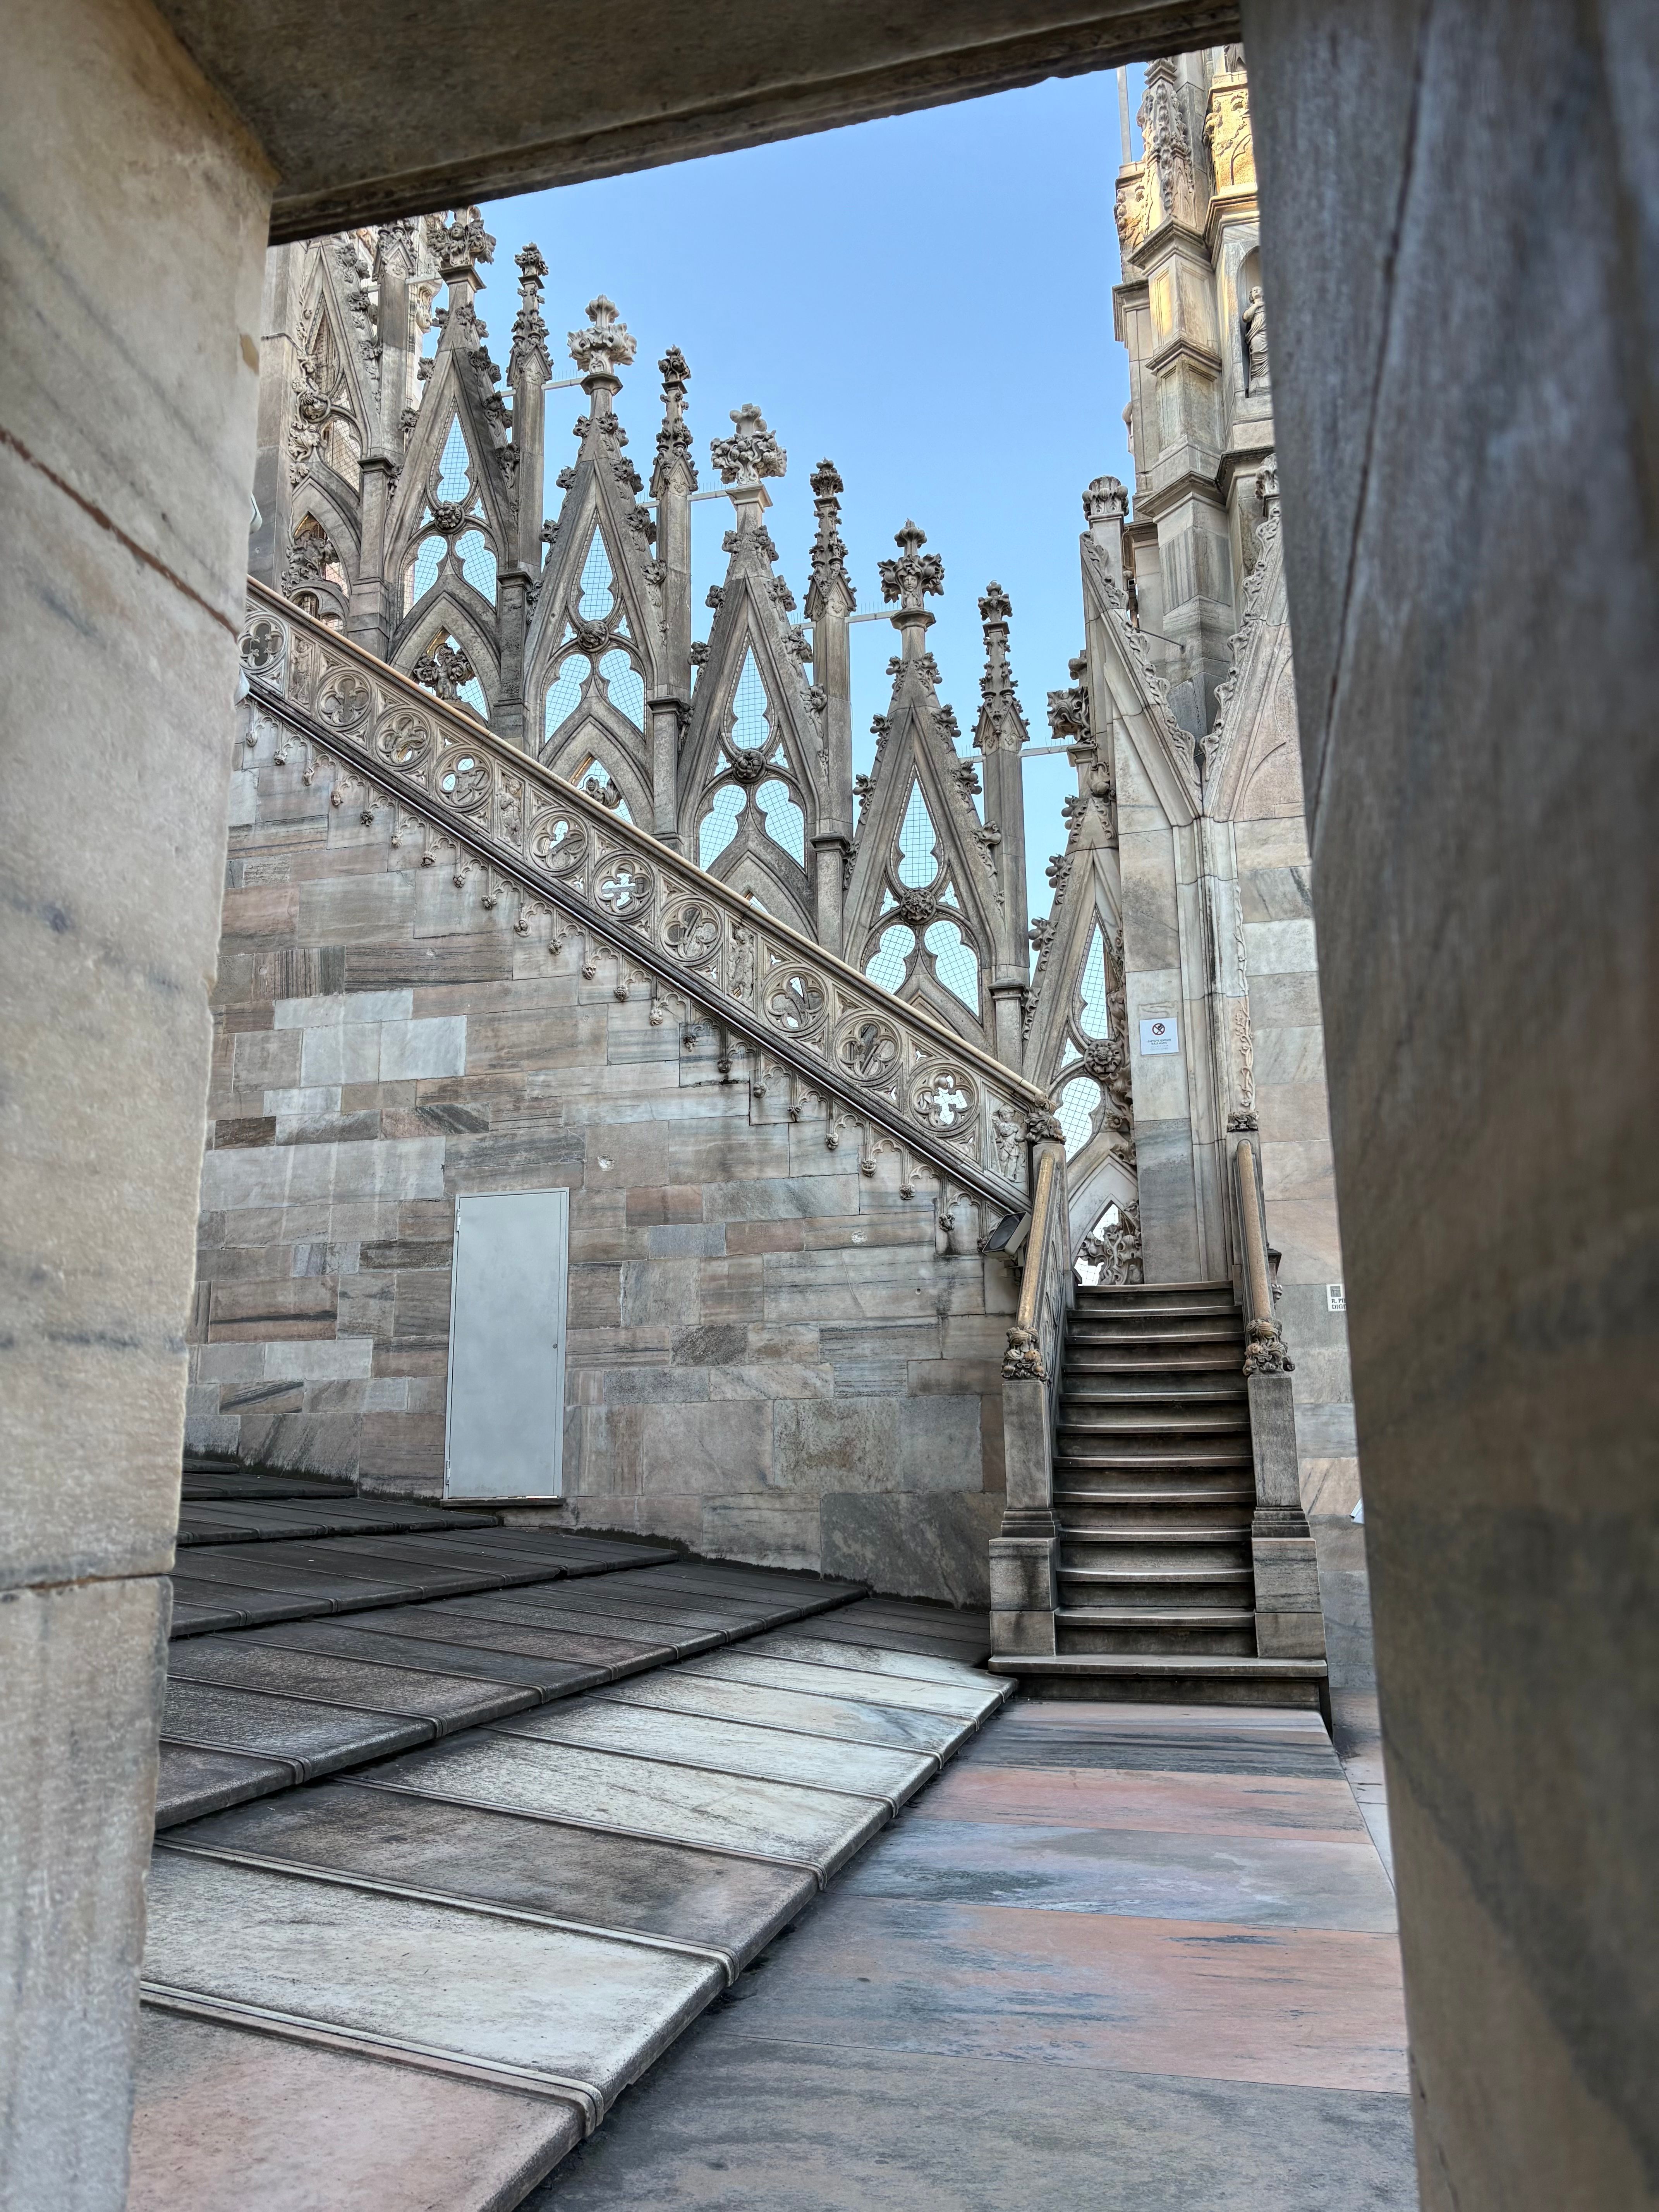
[870,1058]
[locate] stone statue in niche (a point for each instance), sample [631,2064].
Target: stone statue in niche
[1254,323]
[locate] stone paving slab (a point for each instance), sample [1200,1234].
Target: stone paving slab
[1247,1881]
[851,1721]
[730,1747]
[608,1642]
[379,1639]
[310,1738]
[530,1911]
[731,2121]
[1313,2007]
[449,1702]
[228,2120]
[228,1522]
[916,2041]
[806,1645]
[758,1662]
[806,1827]
[511,1996]
[192,1781]
[710,1897]
[1204,1803]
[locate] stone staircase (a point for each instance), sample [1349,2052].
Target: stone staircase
[1154,1494]
[1153,1487]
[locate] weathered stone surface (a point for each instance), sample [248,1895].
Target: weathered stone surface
[81,1682]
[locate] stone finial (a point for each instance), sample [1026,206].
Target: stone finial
[606,344]
[904,582]
[1105,501]
[829,550]
[674,439]
[530,325]
[750,452]
[462,243]
[1001,726]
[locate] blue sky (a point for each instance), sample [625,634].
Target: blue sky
[928,301]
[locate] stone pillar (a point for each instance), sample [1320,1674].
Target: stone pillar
[368,617]
[1460,237]
[667,720]
[133,213]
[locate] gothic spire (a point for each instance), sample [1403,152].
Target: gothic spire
[530,325]
[674,439]
[829,551]
[904,583]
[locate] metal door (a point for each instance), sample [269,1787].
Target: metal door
[504,1436]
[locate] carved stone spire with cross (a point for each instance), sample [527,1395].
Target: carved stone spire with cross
[904,582]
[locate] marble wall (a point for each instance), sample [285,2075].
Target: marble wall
[772,1355]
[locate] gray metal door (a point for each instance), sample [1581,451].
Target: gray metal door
[505,1431]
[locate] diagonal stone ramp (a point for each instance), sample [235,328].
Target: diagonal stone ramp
[418,1986]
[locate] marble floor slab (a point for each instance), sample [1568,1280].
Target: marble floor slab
[998,2008]
[449,1702]
[848,1719]
[228,2120]
[732,2122]
[1194,1802]
[497,1991]
[808,1827]
[1247,1881]
[705,1897]
[730,1747]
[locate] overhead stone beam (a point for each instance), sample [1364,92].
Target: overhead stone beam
[403,115]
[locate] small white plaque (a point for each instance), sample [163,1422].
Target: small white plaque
[1161,1034]
[1333,1298]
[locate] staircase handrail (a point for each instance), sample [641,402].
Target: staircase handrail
[1265,1351]
[942,1099]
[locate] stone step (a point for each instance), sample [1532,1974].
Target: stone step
[1201,1493]
[1145,1458]
[1100,1417]
[1182,1678]
[1156,1589]
[1156,1361]
[427,1984]
[1109,1383]
[1174,1630]
[1084,1546]
[1129,1298]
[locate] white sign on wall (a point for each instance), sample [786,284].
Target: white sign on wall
[1335,1297]
[1162,1034]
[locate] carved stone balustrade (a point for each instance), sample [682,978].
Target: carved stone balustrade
[888,1066]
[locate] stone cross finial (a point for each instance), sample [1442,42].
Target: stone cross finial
[913,574]
[750,452]
[606,345]
[829,551]
[529,326]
